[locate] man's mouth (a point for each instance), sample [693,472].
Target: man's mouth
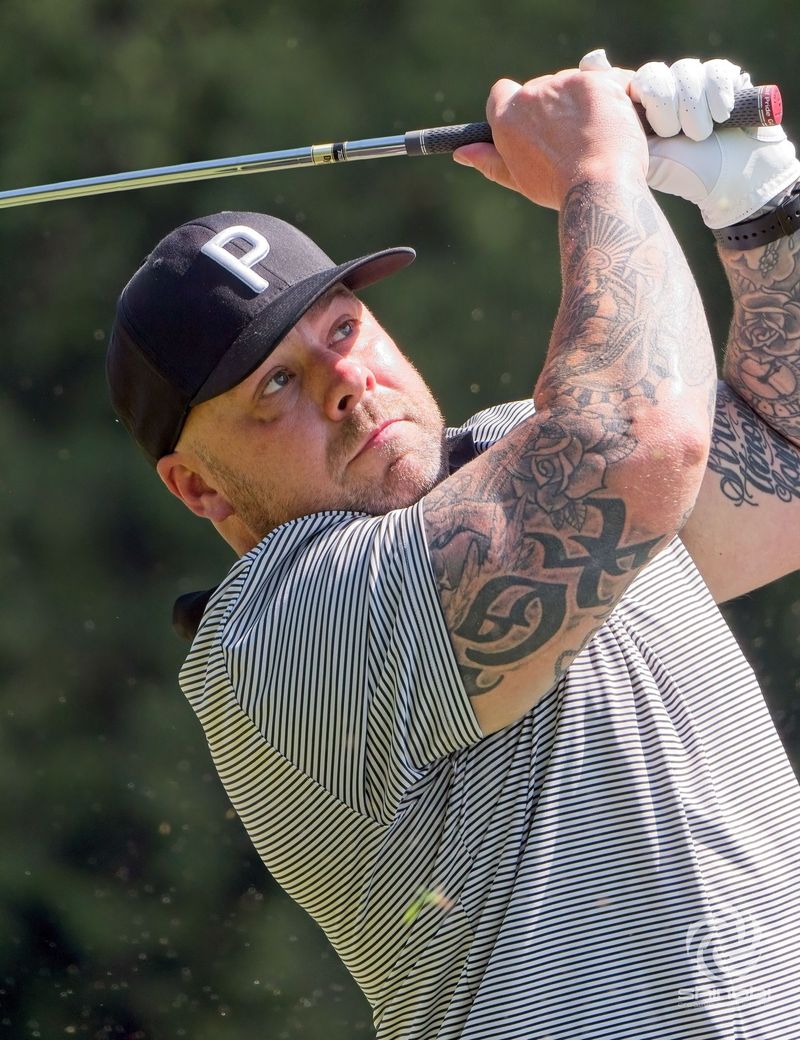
[377,437]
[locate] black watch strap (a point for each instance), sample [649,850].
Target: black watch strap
[782,221]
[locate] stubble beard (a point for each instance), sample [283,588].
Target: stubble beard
[408,478]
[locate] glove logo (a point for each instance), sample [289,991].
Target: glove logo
[239,266]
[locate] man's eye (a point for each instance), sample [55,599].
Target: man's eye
[343,330]
[277,381]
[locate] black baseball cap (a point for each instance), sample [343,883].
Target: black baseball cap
[211,301]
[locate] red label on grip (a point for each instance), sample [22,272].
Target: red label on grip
[770,106]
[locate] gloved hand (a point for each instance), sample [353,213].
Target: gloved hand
[730,173]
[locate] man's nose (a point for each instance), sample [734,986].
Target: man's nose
[347,381]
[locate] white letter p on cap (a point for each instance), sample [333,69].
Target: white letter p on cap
[239,266]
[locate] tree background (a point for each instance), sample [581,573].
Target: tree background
[131,903]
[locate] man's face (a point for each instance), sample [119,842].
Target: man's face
[335,418]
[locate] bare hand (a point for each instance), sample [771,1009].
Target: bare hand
[554,131]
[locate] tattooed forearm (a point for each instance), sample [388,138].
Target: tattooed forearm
[749,458]
[763,355]
[631,316]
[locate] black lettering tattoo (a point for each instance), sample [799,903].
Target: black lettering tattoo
[749,458]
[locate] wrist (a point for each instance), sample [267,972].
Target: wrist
[774,203]
[614,172]
[779,219]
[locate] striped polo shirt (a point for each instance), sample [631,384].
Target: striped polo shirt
[622,862]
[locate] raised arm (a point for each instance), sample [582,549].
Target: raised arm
[745,528]
[745,531]
[534,542]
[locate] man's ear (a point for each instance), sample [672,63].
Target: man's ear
[179,472]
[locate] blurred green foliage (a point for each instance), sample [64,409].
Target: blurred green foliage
[131,904]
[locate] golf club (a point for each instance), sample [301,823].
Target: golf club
[754,106]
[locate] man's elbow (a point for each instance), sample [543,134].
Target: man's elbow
[669,473]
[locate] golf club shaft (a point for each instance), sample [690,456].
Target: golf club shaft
[752,107]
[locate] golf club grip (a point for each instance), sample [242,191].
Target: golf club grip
[753,106]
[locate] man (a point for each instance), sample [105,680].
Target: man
[470,694]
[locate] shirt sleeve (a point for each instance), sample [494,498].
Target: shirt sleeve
[337,649]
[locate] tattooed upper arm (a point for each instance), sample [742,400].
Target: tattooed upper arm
[531,554]
[745,527]
[534,542]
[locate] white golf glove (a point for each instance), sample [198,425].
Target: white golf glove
[729,173]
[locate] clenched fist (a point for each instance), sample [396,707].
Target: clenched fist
[555,131]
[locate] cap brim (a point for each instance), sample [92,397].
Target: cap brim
[267,329]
